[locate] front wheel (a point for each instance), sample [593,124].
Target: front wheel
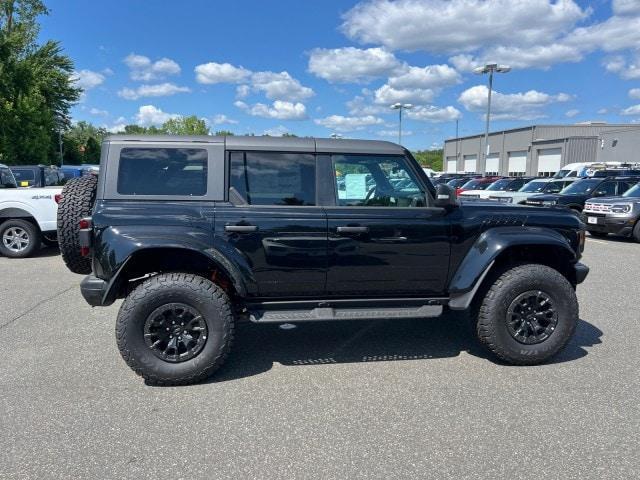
[175,329]
[528,314]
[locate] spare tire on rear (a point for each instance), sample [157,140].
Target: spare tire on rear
[78,197]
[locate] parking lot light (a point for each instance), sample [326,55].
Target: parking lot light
[489,68]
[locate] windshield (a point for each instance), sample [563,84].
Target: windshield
[555,187]
[475,185]
[24,174]
[561,173]
[6,179]
[456,182]
[500,185]
[581,187]
[633,192]
[533,187]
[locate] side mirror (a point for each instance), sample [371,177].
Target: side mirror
[445,196]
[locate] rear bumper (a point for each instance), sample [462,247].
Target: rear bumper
[94,291]
[581,271]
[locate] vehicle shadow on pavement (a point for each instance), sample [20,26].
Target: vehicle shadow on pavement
[258,347]
[46,252]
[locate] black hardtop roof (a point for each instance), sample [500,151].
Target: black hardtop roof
[283,144]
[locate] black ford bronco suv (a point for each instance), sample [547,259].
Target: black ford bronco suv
[196,233]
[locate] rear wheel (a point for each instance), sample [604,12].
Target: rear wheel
[528,314]
[175,329]
[18,238]
[78,197]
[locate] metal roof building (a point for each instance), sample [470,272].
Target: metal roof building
[534,150]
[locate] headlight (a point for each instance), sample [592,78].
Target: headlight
[624,208]
[548,203]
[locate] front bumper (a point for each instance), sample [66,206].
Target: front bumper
[94,290]
[618,225]
[581,272]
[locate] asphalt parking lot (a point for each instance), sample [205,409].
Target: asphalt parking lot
[352,400]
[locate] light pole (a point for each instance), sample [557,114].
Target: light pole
[489,68]
[400,107]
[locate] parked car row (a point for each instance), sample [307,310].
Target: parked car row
[608,200]
[29,196]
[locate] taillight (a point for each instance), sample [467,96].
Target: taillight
[57,197]
[84,236]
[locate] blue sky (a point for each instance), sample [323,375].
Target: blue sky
[319,67]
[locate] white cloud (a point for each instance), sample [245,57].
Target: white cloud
[387,95]
[117,126]
[222,119]
[276,131]
[275,85]
[434,114]
[520,106]
[280,86]
[449,26]
[349,64]
[603,111]
[626,7]
[631,111]
[280,110]
[143,69]
[431,76]
[212,72]
[634,93]
[522,33]
[97,112]
[571,113]
[348,124]
[150,115]
[87,79]
[159,90]
[626,70]
[243,91]
[393,133]
[360,107]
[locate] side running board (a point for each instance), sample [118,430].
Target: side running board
[344,313]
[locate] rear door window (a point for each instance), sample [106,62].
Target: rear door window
[270,178]
[163,171]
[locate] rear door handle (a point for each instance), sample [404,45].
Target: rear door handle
[240,228]
[352,229]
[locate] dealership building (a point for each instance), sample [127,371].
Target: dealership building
[542,149]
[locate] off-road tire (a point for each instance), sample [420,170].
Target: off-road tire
[491,327]
[593,233]
[33,234]
[78,197]
[636,232]
[198,292]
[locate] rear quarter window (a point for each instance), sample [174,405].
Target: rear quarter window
[163,171]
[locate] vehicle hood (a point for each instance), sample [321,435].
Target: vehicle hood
[472,192]
[614,200]
[544,197]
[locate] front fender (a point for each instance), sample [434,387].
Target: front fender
[486,249]
[115,246]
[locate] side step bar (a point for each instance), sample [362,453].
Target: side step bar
[343,313]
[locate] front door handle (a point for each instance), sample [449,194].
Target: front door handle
[352,229]
[240,228]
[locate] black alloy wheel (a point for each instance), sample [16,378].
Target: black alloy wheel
[532,317]
[175,332]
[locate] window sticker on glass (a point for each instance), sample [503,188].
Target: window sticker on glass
[355,186]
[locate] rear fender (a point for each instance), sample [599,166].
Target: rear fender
[116,247]
[488,247]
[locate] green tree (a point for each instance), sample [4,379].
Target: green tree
[190,125]
[36,91]
[429,158]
